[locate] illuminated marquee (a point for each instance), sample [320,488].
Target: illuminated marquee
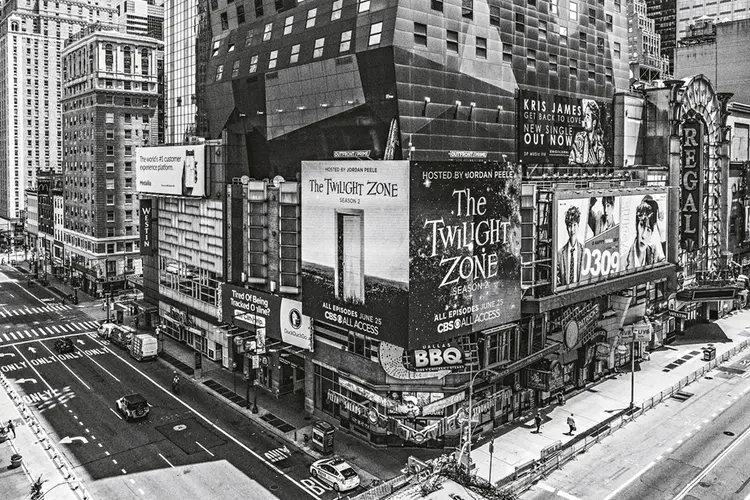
[692,186]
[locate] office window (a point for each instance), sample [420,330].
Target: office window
[376,30]
[553,63]
[110,199]
[507,53]
[215,50]
[240,14]
[563,31]
[467,9]
[582,43]
[272,59]
[543,30]
[336,9]
[420,34]
[249,38]
[219,72]
[618,5]
[573,11]
[520,22]
[253,64]
[346,41]
[481,48]
[110,167]
[110,213]
[608,17]
[592,71]
[236,69]
[592,17]
[363,6]
[437,5]
[311,18]
[288,22]
[573,68]
[608,75]
[531,58]
[494,15]
[224,21]
[617,50]
[451,38]
[294,55]
[267,32]
[110,134]
[600,45]
[258,8]
[553,7]
[318,50]
[110,150]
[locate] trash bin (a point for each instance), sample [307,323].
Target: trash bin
[709,353]
[322,437]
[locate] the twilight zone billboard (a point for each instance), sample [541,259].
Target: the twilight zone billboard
[411,254]
[563,130]
[608,233]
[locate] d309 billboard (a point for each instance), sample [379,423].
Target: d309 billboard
[607,234]
[465,249]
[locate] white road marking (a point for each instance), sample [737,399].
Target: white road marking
[100,366]
[168,462]
[80,423]
[205,449]
[141,491]
[100,444]
[114,461]
[27,333]
[124,471]
[669,450]
[13,335]
[118,415]
[627,483]
[132,481]
[546,487]
[28,363]
[55,329]
[106,453]
[93,437]
[65,365]
[35,332]
[660,457]
[75,417]
[679,441]
[568,496]
[6,337]
[210,422]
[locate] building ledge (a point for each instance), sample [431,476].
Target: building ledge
[584,293]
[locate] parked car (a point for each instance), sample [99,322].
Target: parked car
[105,330]
[336,472]
[133,406]
[65,345]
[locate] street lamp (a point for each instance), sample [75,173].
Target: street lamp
[471,411]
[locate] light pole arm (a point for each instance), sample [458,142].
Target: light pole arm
[471,412]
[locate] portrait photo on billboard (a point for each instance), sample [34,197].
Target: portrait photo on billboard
[355,246]
[465,249]
[564,130]
[643,230]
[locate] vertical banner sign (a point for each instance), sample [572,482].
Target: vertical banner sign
[691,182]
[145,223]
[465,249]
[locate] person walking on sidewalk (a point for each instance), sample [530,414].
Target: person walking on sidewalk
[175,383]
[538,422]
[571,424]
[12,428]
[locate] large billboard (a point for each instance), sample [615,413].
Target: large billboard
[465,249]
[563,130]
[607,233]
[171,170]
[355,246]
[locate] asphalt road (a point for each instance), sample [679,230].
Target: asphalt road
[692,447]
[190,446]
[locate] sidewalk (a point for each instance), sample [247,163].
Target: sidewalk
[56,286]
[37,455]
[518,443]
[286,418]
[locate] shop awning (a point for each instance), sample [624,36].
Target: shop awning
[707,294]
[145,307]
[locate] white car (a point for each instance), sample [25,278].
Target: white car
[336,472]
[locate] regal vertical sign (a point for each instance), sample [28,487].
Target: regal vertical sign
[691,181]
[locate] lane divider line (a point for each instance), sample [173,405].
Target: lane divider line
[205,449]
[65,365]
[168,462]
[627,483]
[116,414]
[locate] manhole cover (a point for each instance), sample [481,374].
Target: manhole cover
[273,487]
[704,484]
[179,427]
[728,433]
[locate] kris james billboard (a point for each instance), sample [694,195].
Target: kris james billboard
[413,254]
[608,233]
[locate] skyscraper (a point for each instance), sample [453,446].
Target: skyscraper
[31,39]
[142,17]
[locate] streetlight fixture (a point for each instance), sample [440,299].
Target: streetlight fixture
[470,417]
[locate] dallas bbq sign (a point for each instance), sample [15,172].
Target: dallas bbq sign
[691,182]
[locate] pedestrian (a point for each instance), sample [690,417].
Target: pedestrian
[175,383]
[12,428]
[560,398]
[571,424]
[538,422]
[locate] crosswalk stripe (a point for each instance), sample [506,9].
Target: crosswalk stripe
[7,312]
[27,333]
[12,335]
[64,328]
[2,314]
[6,336]
[48,329]
[14,312]
[76,326]
[90,324]
[35,332]
[55,329]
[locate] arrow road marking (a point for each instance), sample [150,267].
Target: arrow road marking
[68,439]
[3,354]
[205,449]
[33,351]
[24,380]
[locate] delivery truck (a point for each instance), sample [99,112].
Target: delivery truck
[144,346]
[121,336]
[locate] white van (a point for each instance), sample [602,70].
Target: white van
[144,346]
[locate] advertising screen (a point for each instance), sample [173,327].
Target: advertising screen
[171,170]
[465,249]
[563,130]
[608,234]
[355,246]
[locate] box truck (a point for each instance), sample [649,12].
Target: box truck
[144,346]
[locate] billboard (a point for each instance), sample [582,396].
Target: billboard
[266,314]
[607,233]
[564,130]
[691,196]
[355,245]
[146,227]
[171,170]
[465,249]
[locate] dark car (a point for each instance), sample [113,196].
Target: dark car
[133,406]
[63,346]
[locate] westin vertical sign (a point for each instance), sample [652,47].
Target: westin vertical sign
[691,196]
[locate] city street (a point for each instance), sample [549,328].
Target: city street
[691,446]
[188,447]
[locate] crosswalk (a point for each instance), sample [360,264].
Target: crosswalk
[48,331]
[27,311]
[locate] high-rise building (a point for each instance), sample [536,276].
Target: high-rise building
[110,98]
[180,30]
[31,38]
[647,63]
[142,17]
[690,11]
[664,14]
